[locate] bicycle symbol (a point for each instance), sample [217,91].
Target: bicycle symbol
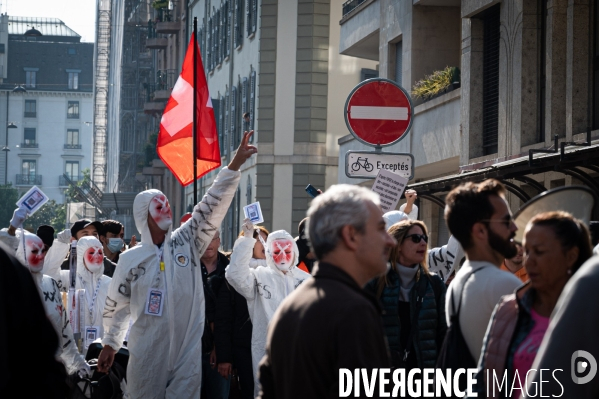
[364,164]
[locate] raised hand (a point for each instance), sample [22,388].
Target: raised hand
[248,228]
[244,151]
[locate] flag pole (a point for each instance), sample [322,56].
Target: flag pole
[195,110]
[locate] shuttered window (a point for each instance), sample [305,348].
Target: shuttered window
[233,118]
[227,34]
[227,138]
[209,45]
[238,31]
[244,104]
[398,62]
[251,16]
[252,100]
[491,80]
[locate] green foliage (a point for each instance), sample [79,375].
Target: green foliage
[436,83]
[159,4]
[51,213]
[71,191]
[8,203]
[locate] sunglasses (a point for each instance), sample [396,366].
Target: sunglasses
[416,238]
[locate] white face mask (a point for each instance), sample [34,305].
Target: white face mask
[282,254]
[34,253]
[94,259]
[160,210]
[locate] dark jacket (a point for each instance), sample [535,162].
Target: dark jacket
[232,323]
[327,323]
[27,337]
[212,285]
[109,267]
[432,326]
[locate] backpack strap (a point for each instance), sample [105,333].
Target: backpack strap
[461,294]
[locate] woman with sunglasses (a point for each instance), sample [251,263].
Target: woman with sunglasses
[555,246]
[413,299]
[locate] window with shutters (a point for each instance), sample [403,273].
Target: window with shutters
[218,41]
[233,119]
[219,119]
[227,33]
[227,123]
[398,62]
[366,73]
[238,30]
[244,105]
[252,100]
[209,45]
[251,16]
[491,26]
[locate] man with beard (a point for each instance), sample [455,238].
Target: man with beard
[478,216]
[515,266]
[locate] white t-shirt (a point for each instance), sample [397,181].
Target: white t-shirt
[481,293]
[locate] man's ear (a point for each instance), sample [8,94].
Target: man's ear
[349,236]
[479,232]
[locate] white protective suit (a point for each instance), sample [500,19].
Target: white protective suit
[88,281]
[264,287]
[55,256]
[50,293]
[166,351]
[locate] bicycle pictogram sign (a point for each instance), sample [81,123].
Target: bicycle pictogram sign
[362,163]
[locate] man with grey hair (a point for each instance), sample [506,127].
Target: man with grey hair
[347,233]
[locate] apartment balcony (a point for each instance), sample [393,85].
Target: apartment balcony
[360,26]
[72,146]
[29,145]
[157,43]
[28,180]
[165,81]
[63,181]
[168,27]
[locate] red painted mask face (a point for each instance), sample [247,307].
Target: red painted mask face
[34,253]
[282,253]
[160,210]
[94,259]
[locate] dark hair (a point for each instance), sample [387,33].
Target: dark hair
[467,204]
[594,229]
[569,231]
[111,226]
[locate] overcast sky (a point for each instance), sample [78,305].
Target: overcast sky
[78,15]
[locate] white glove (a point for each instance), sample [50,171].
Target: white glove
[64,236]
[248,228]
[18,217]
[85,372]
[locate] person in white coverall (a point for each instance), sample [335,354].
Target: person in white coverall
[90,278]
[31,252]
[264,287]
[32,255]
[158,284]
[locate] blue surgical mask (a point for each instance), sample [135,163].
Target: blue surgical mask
[115,244]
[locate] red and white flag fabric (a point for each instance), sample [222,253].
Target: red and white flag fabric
[175,140]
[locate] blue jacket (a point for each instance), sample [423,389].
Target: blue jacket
[432,326]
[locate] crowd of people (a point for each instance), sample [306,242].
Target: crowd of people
[279,316]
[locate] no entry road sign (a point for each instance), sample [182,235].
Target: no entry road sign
[366,164]
[378,112]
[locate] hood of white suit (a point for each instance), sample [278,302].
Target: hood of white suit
[280,235]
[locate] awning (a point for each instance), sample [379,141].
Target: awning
[577,161]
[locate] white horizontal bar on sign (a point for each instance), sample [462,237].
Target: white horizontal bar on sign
[381,113]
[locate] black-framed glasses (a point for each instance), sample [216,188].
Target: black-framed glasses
[507,220]
[416,238]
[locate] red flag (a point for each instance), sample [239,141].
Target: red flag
[175,141]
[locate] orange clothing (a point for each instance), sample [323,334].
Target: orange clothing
[303,267]
[521,273]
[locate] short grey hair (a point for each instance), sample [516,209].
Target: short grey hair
[339,206]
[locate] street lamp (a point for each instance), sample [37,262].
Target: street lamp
[9,125]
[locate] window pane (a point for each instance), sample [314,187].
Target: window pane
[29,135]
[73,110]
[30,108]
[29,168]
[73,137]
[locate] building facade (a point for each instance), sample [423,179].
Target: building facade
[48,119]
[278,62]
[523,109]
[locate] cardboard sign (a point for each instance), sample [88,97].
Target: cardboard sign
[33,200]
[254,212]
[389,186]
